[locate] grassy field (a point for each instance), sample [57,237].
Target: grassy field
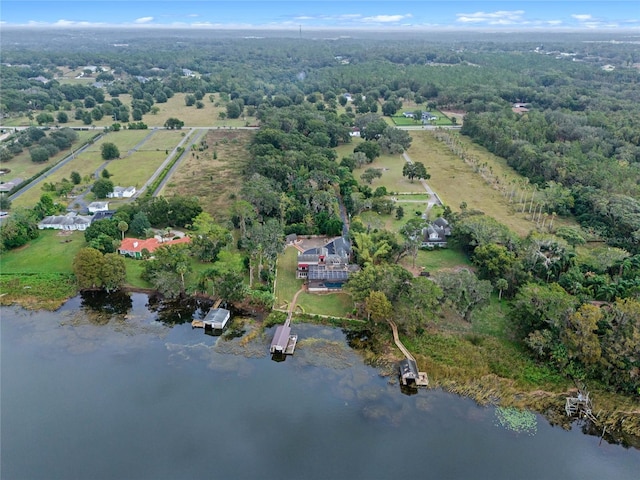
[52,252]
[456,182]
[392,179]
[136,168]
[440,259]
[286,282]
[216,182]
[21,165]
[337,304]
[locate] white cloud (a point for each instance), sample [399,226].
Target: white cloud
[582,17]
[500,17]
[142,20]
[385,18]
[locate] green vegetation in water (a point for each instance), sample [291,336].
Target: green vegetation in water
[42,290]
[519,421]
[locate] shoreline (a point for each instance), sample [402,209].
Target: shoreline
[617,413]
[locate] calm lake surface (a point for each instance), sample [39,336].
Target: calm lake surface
[89,395]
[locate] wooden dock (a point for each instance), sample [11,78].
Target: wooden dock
[284,343]
[409,373]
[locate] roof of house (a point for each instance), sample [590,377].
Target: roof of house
[281,336]
[408,368]
[321,272]
[217,316]
[136,244]
[69,219]
[100,205]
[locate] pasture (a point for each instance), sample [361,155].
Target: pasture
[215,181]
[456,182]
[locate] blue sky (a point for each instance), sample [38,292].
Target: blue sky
[349,14]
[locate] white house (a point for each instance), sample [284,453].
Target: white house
[98,207]
[122,192]
[70,221]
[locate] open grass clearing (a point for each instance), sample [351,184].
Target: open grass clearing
[136,168]
[21,165]
[391,167]
[125,140]
[440,259]
[216,182]
[195,117]
[163,140]
[456,182]
[286,282]
[337,304]
[52,252]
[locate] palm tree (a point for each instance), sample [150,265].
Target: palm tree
[501,284]
[123,227]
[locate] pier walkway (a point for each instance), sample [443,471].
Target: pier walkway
[422,379]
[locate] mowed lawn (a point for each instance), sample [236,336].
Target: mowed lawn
[456,182]
[286,282]
[52,252]
[135,169]
[215,181]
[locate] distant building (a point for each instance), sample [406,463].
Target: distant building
[98,207]
[122,192]
[10,185]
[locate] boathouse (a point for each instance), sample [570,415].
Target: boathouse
[216,319]
[408,372]
[283,342]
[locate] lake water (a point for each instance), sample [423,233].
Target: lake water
[97,396]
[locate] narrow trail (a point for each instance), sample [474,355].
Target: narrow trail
[292,307]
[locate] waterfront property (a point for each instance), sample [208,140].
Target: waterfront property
[326,268]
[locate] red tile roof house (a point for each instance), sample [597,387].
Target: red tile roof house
[132,247]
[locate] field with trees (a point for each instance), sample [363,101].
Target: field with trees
[540,284]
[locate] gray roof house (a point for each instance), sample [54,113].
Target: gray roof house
[435,234]
[326,268]
[70,221]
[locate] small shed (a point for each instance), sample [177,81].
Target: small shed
[283,342]
[216,319]
[408,372]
